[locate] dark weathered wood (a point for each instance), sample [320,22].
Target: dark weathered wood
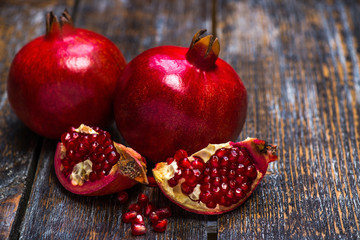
[300,63]
[133,26]
[19,147]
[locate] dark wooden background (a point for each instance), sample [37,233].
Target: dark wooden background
[300,63]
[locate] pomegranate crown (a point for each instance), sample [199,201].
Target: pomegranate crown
[204,50]
[56,28]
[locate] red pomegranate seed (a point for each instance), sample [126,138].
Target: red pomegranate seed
[153,217]
[138,229]
[206,197]
[239,193]
[122,197]
[232,184]
[240,179]
[172,182]
[206,179]
[251,172]
[223,171]
[211,204]
[186,189]
[232,174]
[214,161]
[184,163]
[163,212]
[240,169]
[160,226]
[187,173]
[198,163]
[152,181]
[216,181]
[139,219]
[143,199]
[224,162]
[129,216]
[224,188]
[135,207]
[230,195]
[205,187]
[221,152]
[180,154]
[245,187]
[148,209]
[214,172]
[234,154]
[222,200]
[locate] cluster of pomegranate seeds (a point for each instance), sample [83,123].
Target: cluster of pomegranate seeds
[143,206]
[224,179]
[96,147]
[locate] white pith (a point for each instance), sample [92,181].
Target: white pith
[81,172]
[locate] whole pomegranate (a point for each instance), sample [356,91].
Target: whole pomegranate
[216,179]
[174,97]
[64,78]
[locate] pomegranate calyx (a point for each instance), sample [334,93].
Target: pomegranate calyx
[54,28]
[203,51]
[52,25]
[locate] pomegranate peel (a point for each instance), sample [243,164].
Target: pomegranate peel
[215,193]
[77,175]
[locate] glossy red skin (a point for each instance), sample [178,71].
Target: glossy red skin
[57,82]
[164,103]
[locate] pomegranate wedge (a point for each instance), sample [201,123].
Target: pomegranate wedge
[216,179]
[88,162]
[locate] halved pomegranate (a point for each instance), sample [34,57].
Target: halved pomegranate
[216,179]
[88,162]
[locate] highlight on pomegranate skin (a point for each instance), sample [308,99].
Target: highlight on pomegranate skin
[88,162]
[216,179]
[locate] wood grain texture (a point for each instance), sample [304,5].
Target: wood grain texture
[19,147]
[300,63]
[133,26]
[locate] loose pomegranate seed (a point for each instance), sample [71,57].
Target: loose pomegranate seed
[143,199]
[122,197]
[160,226]
[138,229]
[180,154]
[163,212]
[135,207]
[148,209]
[129,216]
[153,217]
[139,219]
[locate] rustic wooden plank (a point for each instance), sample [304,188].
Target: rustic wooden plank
[133,26]
[300,63]
[19,147]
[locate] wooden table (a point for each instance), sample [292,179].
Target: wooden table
[299,61]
